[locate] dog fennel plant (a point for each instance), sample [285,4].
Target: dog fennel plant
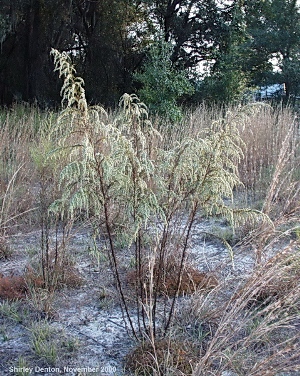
[147,196]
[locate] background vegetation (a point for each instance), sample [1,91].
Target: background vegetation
[110,43]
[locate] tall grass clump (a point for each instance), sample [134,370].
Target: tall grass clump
[28,182]
[270,148]
[268,168]
[19,130]
[254,331]
[52,256]
[22,128]
[144,197]
[271,137]
[270,172]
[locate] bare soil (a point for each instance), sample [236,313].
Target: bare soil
[88,319]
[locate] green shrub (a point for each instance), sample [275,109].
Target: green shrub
[162,84]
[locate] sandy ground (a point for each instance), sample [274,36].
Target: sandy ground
[90,316]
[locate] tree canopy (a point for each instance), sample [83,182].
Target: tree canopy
[110,43]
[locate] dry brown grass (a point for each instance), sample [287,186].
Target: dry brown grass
[5,249]
[196,121]
[58,273]
[20,130]
[270,166]
[13,287]
[19,286]
[191,280]
[271,153]
[165,357]
[257,326]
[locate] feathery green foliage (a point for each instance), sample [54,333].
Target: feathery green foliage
[146,194]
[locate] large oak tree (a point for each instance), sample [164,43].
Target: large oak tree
[108,41]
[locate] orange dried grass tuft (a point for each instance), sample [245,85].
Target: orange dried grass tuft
[167,277]
[276,278]
[13,287]
[58,275]
[166,355]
